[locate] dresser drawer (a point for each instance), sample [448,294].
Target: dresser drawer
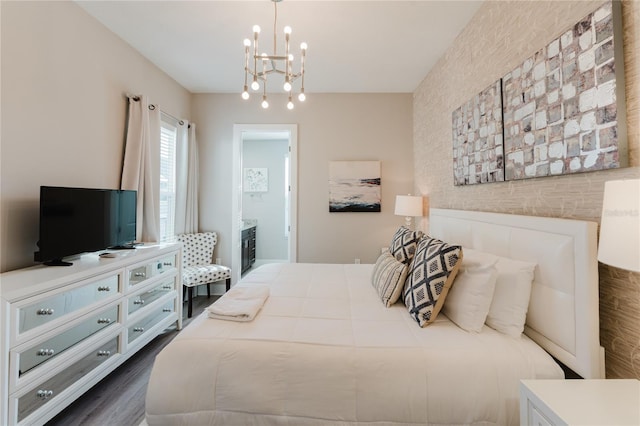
[537,418]
[156,267]
[46,392]
[155,316]
[48,349]
[58,305]
[146,298]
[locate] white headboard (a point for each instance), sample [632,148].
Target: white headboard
[563,315]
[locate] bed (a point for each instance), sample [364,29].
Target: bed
[324,349]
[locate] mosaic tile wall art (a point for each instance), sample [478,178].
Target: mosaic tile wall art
[557,113]
[560,112]
[477,138]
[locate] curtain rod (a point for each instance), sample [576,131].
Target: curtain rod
[136,98]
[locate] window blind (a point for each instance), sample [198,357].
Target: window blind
[168,136]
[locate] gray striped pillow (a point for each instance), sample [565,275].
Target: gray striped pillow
[388,278]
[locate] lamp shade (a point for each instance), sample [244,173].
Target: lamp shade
[620,225]
[408,205]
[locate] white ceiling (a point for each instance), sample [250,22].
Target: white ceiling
[354,46]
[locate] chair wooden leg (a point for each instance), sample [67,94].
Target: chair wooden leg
[190,303]
[228,283]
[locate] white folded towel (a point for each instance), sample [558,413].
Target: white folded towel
[241,303]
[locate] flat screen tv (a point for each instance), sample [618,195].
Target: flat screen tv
[80,220]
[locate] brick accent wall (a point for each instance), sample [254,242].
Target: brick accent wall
[498,38]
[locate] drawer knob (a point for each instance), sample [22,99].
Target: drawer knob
[44,394]
[139,274]
[45,352]
[104,320]
[104,288]
[168,264]
[104,353]
[45,311]
[167,310]
[167,287]
[138,302]
[138,329]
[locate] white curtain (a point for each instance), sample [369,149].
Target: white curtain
[140,170]
[186,180]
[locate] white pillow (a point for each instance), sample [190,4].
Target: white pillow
[508,311]
[470,296]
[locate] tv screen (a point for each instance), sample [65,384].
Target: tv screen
[79,220]
[126,225]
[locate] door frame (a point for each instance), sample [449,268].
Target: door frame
[236,199]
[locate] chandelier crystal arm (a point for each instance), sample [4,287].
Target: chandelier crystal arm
[287,61]
[303,48]
[263,74]
[256,31]
[275,26]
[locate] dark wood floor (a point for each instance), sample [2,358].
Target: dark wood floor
[118,399]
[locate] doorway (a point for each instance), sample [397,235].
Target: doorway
[264,194]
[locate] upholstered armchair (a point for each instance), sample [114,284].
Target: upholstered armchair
[197,264]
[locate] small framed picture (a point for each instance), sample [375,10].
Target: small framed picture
[256,179]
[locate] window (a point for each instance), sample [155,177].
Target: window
[168,136]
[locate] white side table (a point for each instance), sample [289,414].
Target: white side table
[580,402]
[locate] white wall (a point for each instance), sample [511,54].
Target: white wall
[330,127]
[268,208]
[63,112]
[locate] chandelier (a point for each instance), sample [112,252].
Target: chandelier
[265,65]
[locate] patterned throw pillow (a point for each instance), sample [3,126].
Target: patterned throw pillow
[404,243]
[388,278]
[433,270]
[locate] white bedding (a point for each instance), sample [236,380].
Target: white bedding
[324,349]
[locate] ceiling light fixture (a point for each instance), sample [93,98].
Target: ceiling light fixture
[269,64]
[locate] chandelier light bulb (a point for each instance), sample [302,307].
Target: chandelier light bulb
[290,57]
[245,95]
[247,42]
[287,87]
[265,104]
[301,97]
[256,29]
[290,104]
[287,30]
[303,46]
[255,85]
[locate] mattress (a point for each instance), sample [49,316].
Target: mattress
[325,350]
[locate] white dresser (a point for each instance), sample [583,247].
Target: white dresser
[580,402]
[63,329]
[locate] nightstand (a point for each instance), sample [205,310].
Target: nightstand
[579,402]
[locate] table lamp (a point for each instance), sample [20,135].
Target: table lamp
[408,206]
[620,225]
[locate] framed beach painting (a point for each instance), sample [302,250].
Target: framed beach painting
[354,186]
